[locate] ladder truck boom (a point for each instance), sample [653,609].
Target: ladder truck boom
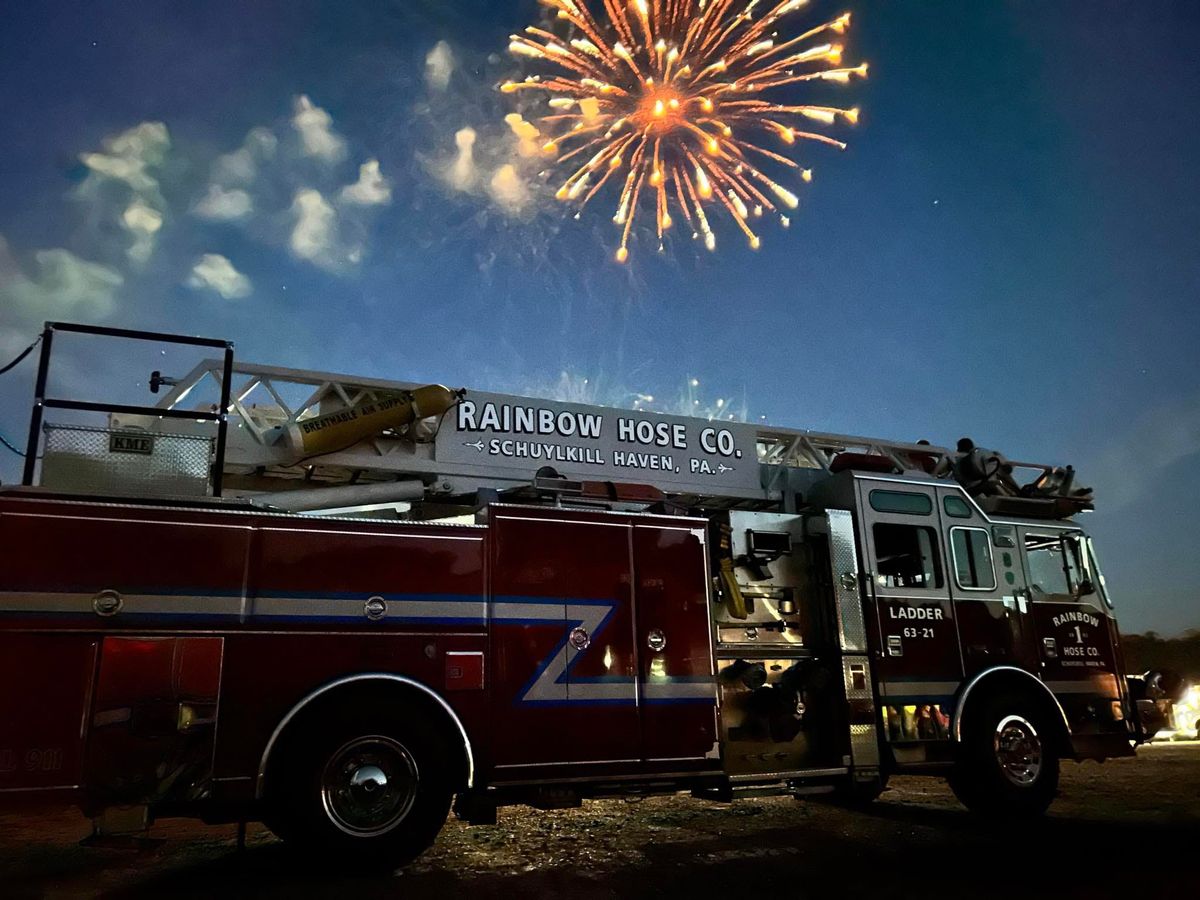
[478,440]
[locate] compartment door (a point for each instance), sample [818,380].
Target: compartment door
[45,686]
[675,657]
[154,718]
[563,676]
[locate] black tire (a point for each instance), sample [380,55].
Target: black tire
[368,788]
[1008,760]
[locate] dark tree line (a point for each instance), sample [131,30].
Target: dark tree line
[1152,651]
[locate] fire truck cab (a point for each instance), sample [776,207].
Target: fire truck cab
[518,630]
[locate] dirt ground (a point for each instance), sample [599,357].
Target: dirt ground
[1127,828]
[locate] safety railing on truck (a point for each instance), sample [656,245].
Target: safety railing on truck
[41,402]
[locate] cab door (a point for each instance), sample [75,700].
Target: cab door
[988,585]
[1074,631]
[919,664]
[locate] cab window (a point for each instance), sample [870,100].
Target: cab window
[903,502]
[1055,566]
[956,507]
[906,556]
[972,553]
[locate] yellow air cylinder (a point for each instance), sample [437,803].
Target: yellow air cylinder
[343,428]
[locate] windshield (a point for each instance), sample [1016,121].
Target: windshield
[1096,574]
[1059,565]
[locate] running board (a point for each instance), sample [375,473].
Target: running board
[778,784]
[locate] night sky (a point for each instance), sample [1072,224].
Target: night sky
[1008,249]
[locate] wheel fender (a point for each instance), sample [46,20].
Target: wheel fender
[366,679]
[997,676]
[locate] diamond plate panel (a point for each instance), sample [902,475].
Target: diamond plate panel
[843,561]
[80,459]
[864,746]
[864,741]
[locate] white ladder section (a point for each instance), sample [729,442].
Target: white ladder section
[265,400]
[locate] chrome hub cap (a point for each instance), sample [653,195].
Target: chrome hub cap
[369,785]
[1018,750]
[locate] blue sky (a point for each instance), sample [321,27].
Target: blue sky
[1008,248]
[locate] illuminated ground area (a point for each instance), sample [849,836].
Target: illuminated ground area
[1127,828]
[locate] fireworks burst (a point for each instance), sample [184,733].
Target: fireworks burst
[668,99]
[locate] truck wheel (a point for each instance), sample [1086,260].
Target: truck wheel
[372,790]
[1008,762]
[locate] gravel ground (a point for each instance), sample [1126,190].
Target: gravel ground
[1127,828]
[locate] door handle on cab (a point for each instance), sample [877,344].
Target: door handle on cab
[1023,596]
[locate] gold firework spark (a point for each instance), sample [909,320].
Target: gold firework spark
[668,98]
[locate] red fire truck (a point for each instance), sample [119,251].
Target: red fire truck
[343,605]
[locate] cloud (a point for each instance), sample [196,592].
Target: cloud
[242,165]
[461,173]
[497,160]
[60,284]
[131,156]
[439,66]
[123,184]
[505,181]
[227,198]
[216,273]
[314,235]
[222,204]
[270,189]
[507,188]
[143,222]
[371,189]
[317,136]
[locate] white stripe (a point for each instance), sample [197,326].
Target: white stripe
[145,604]
[680,690]
[917,688]
[503,611]
[316,607]
[1081,687]
[549,686]
[403,535]
[590,691]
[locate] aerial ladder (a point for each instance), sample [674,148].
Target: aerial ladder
[312,441]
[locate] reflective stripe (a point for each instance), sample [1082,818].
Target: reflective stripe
[550,682]
[415,609]
[131,604]
[1084,687]
[672,690]
[918,688]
